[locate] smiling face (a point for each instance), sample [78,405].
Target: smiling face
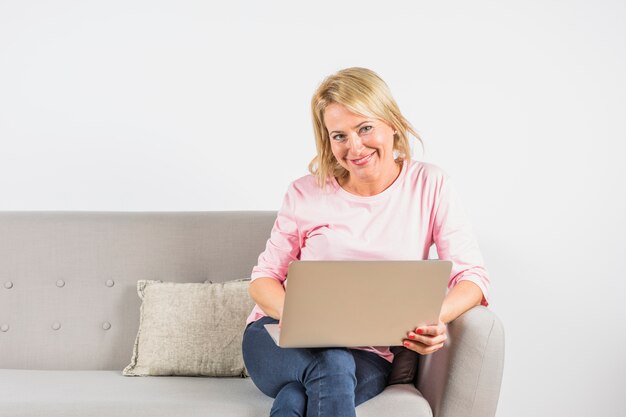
[364,147]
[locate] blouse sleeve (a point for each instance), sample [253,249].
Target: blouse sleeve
[283,246]
[455,241]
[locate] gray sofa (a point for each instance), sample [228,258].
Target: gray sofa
[69,314]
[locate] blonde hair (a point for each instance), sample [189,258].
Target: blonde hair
[362,92]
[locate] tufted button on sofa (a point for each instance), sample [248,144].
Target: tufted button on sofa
[69,314]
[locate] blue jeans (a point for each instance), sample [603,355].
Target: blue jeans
[311,382]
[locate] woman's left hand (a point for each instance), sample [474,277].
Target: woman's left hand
[427,339]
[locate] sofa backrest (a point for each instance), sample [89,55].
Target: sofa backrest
[68,280]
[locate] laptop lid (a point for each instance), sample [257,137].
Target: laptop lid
[359,303]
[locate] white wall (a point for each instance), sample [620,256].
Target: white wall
[188,105]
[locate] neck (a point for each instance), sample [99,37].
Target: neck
[367,189]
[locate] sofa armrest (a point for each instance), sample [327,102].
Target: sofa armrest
[463,378]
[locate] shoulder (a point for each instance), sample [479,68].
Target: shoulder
[306,187]
[426,173]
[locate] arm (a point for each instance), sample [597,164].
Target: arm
[462,297]
[455,241]
[267,285]
[269,295]
[469,282]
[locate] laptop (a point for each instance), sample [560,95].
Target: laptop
[359,303]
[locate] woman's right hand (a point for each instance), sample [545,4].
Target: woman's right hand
[269,294]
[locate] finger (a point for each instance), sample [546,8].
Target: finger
[428,340]
[421,348]
[432,330]
[435,348]
[426,330]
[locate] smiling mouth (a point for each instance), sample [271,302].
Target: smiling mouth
[363,160]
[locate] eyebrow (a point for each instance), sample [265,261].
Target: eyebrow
[339,131]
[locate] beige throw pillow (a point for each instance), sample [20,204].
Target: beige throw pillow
[193,329]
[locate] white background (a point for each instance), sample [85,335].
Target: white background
[141,105]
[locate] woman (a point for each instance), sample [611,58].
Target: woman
[365,199]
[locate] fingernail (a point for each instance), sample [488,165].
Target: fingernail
[420,331]
[411,336]
[407,344]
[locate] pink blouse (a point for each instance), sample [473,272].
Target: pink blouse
[420,208]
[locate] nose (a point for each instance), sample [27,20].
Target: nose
[355,144]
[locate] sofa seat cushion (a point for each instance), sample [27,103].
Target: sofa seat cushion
[30,393]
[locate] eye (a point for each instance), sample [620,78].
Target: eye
[338,138]
[366,127]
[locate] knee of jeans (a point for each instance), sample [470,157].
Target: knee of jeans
[337,361]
